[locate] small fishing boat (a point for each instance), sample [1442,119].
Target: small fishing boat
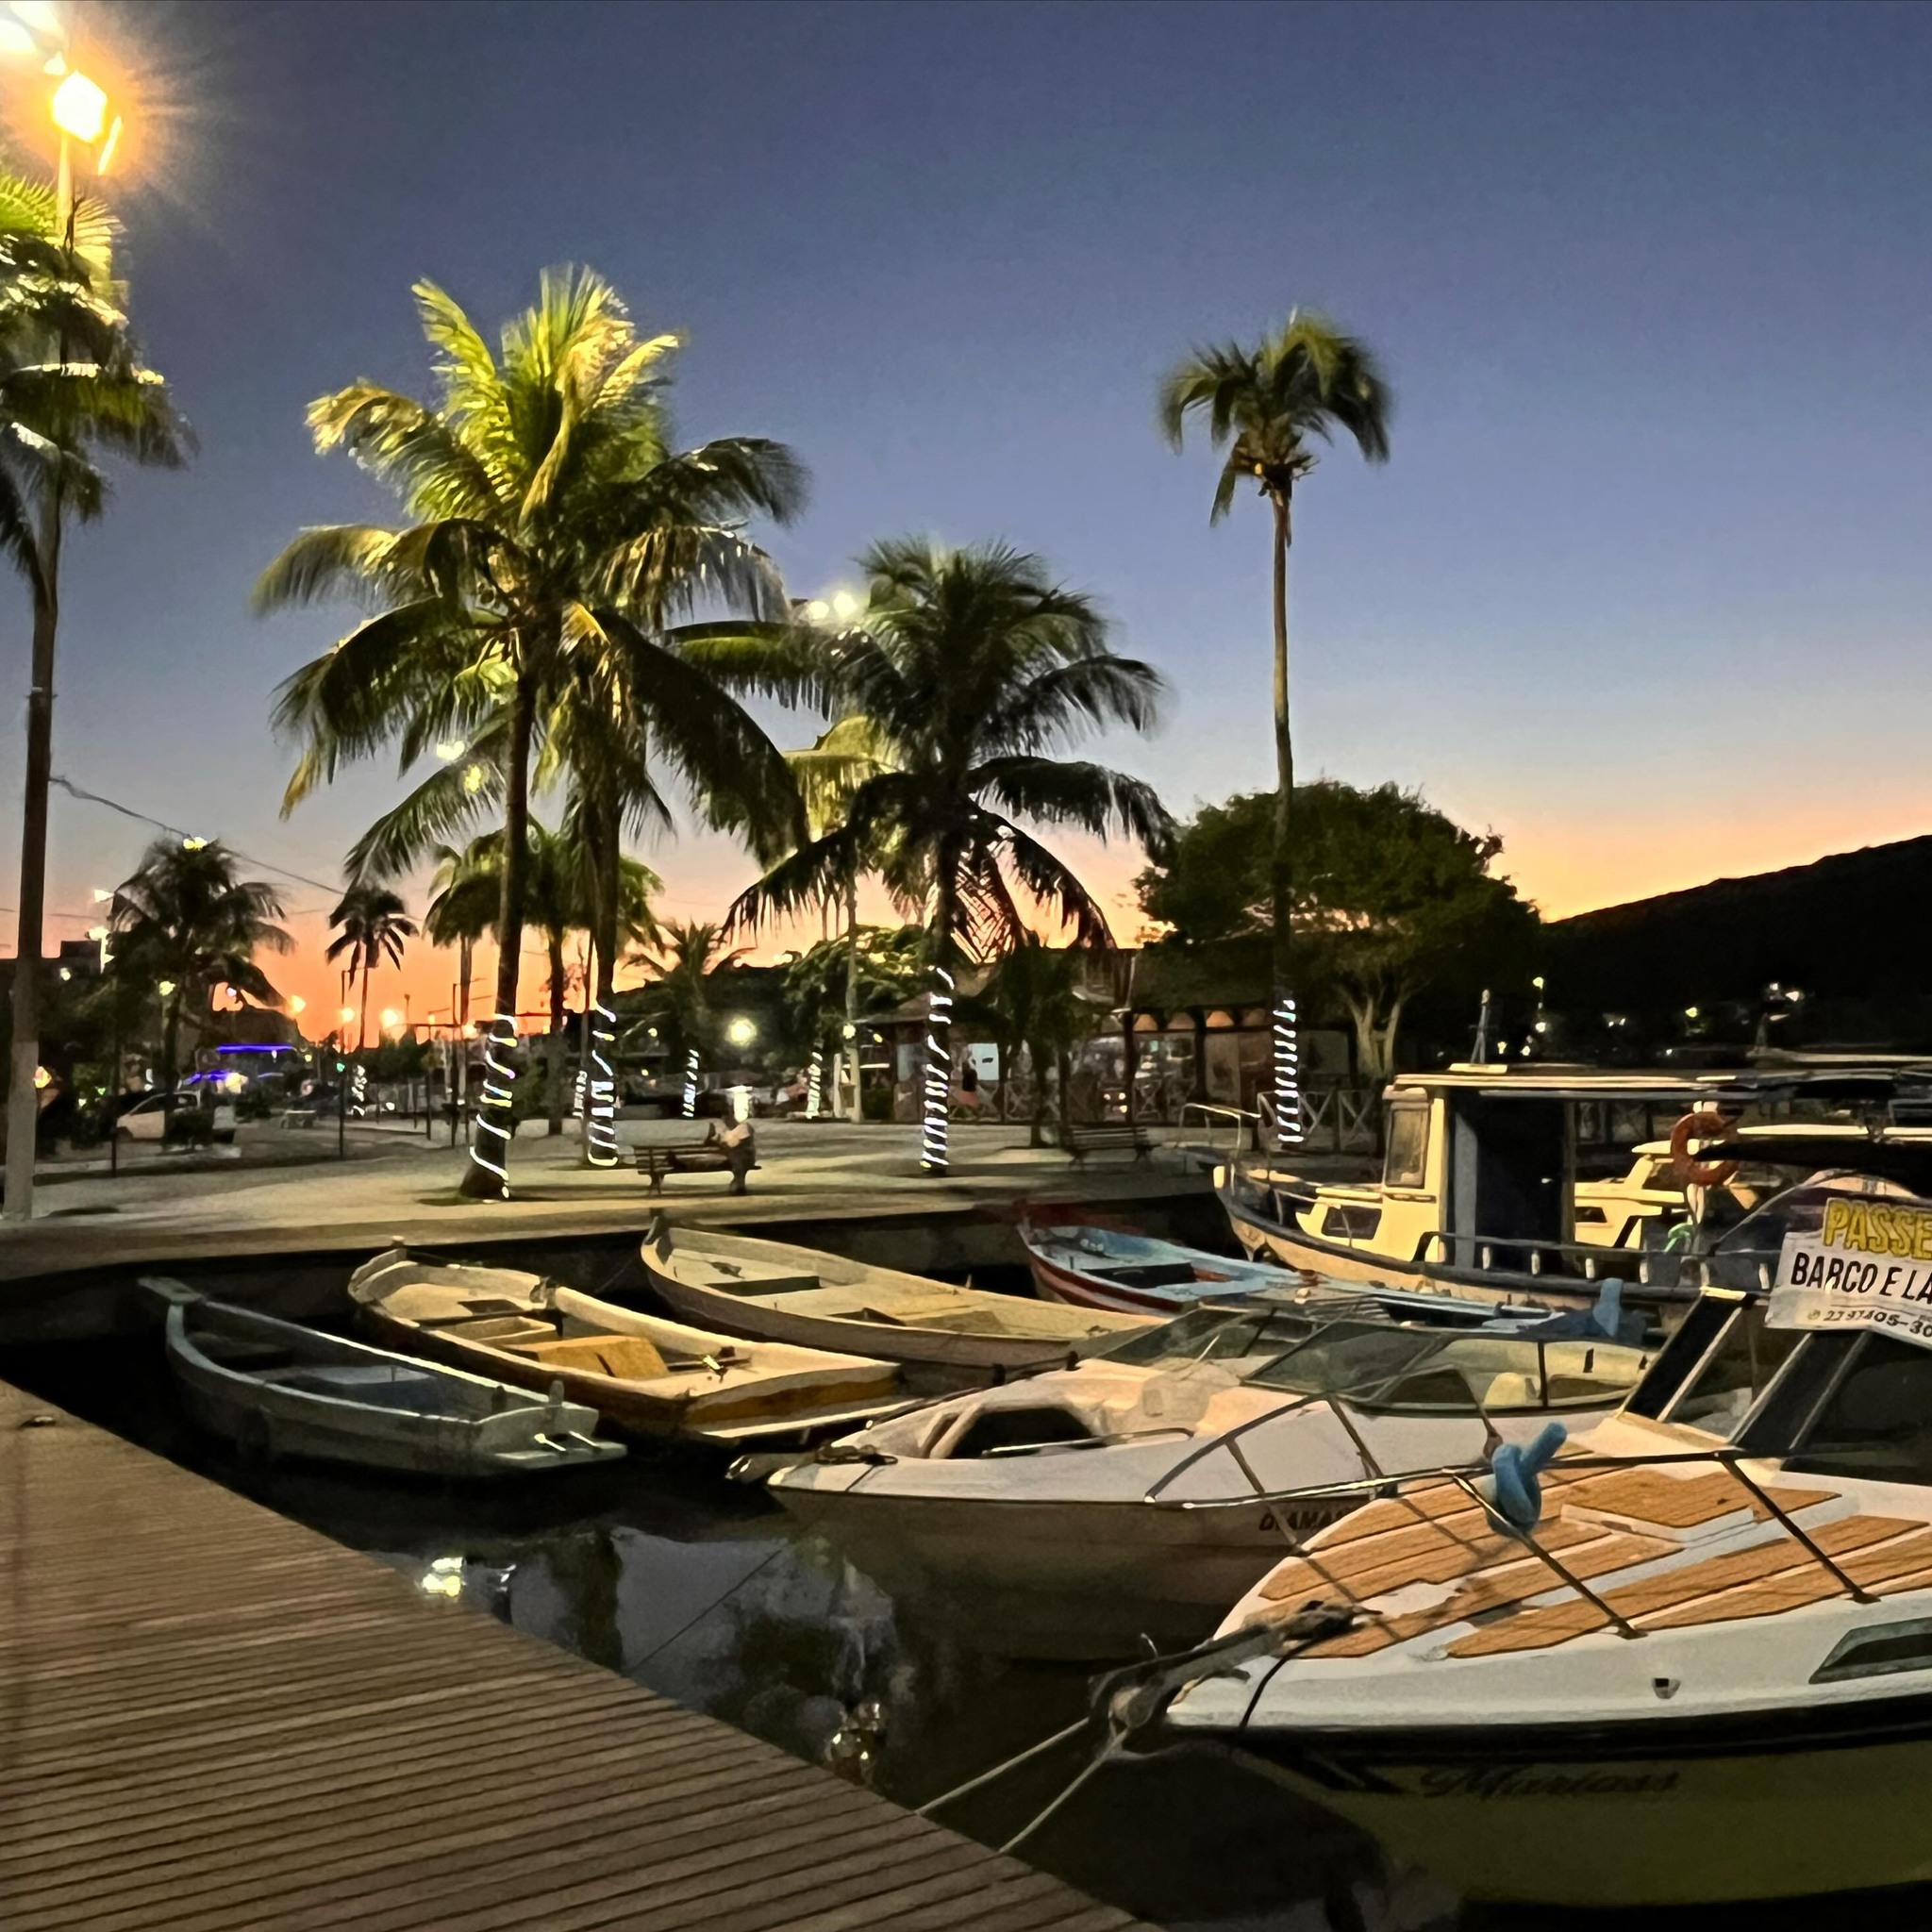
[276,1388]
[1095,1267]
[1037,1517]
[782,1294]
[1690,1663]
[648,1375]
[1114,1268]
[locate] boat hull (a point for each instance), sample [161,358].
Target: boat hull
[1052,1283]
[1804,1804]
[267,1423]
[1067,1580]
[825,1404]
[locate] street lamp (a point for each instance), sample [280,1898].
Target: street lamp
[81,113]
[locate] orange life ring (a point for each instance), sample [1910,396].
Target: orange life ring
[1704,1126]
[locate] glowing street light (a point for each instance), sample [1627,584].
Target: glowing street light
[391,1020]
[298,1004]
[742,1032]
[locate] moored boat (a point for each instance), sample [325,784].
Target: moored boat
[1696,1667]
[648,1375]
[1090,1266]
[276,1388]
[776,1292]
[1037,1517]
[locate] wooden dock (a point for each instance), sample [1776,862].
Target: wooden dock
[212,1717]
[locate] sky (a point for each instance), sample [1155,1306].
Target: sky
[1643,587]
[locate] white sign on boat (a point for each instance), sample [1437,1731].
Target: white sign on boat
[1868,1264]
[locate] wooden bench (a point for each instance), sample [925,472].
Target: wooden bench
[1121,1138]
[699,1157]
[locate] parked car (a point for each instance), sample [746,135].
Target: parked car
[147,1120]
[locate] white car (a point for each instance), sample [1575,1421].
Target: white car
[148,1121]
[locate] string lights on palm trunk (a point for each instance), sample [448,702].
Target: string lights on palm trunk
[691,1085]
[1287,1075]
[939,1071]
[494,1108]
[603,1127]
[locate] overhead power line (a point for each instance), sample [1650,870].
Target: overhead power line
[127,811]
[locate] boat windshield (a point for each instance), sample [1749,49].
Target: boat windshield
[1851,1405]
[1214,1334]
[1440,1371]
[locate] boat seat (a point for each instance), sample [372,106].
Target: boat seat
[503,1331]
[628,1357]
[735,1278]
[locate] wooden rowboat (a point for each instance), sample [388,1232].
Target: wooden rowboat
[276,1389]
[649,1376]
[783,1293]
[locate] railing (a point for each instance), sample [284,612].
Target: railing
[1467,1477]
[1238,1126]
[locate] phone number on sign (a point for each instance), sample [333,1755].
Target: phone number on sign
[1918,1327]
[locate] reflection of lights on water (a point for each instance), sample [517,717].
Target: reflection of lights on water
[444,1577]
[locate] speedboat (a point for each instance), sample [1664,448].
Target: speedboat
[1691,1663]
[1037,1517]
[276,1389]
[649,1376]
[777,1292]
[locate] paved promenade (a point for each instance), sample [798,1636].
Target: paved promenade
[407,1190]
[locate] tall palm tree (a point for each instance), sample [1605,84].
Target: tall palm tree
[972,666]
[373,924]
[186,924]
[72,390]
[555,536]
[675,1004]
[1267,407]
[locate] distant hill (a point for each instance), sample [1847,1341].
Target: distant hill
[1854,926]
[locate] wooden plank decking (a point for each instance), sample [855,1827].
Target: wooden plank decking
[212,1717]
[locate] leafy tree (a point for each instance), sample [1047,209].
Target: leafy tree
[1391,897]
[1266,406]
[554,537]
[866,969]
[372,924]
[971,666]
[185,924]
[73,390]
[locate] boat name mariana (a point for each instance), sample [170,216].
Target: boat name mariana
[1540,1781]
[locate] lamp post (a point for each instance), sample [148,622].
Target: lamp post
[79,110]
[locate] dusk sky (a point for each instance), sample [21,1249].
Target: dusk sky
[1644,586]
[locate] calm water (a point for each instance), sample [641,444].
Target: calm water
[704,1590]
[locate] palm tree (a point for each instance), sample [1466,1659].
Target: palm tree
[467,896]
[555,538]
[1032,999]
[675,1004]
[972,665]
[373,925]
[185,924]
[1266,406]
[72,390]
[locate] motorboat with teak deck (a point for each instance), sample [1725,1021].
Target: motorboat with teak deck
[1696,1667]
[648,1375]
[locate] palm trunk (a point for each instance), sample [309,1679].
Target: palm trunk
[1064,1079]
[600,1070]
[557,1042]
[852,995]
[938,1053]
[1036,1065]
[1287,1097]
[487,1177]
[459,1063]
[362,1011]
[171,1038]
